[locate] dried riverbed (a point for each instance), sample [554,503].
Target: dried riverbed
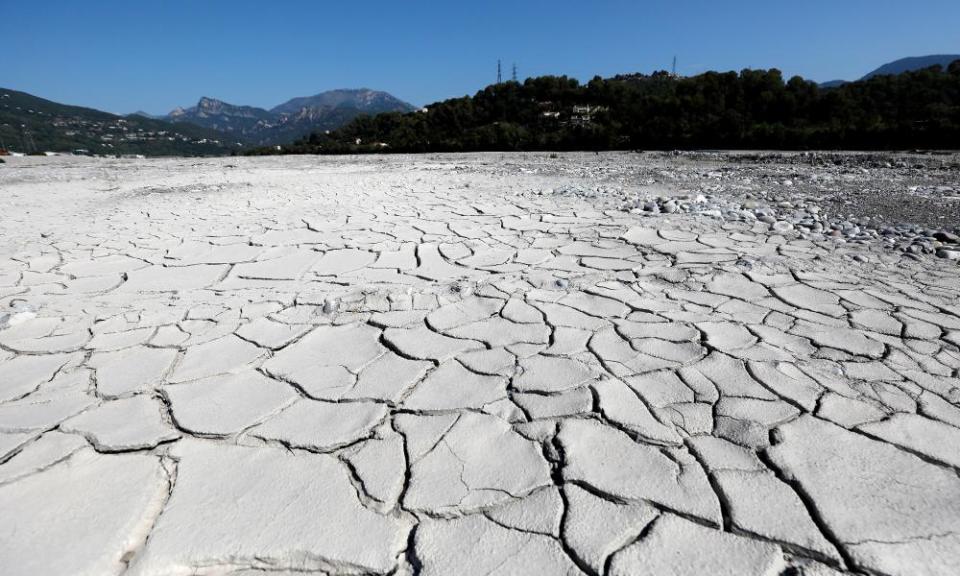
[651,363]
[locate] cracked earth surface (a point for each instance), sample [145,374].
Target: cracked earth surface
[414,365]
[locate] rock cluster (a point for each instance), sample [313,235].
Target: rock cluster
[850,204]
[808,221]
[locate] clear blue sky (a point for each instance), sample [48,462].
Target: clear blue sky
[126,55]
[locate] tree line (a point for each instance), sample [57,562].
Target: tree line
[749,109]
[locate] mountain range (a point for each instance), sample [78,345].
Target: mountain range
[213,127]
[293,119]
[902,65]
[31,124]
[913,63]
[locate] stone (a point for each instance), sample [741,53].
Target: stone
[289,267]
[227,355]
[892,512]
[324,362]
[321,426]
[848,412]
[620,404]
[494,549]
[613,463]
[852,341]
[472,462]
[451,386]
[24,374]
[43,410]
[123,425]
[96,525]
[540,512]
[549,374]
[501,332]
[463,312]
[493,361]
[931,438]
[107,341]
[136,369]
[381,465]
[40,454]
[164,279]
[425,344]
[595,528]
[267,333]
[310,513]
[678,547]
[228,404]
[761,504]
[387,378]
[336,262]
[803,296]
[566,403]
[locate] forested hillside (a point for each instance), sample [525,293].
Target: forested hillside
[750,109]
[30,124]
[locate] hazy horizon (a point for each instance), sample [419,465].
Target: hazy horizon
[122,57]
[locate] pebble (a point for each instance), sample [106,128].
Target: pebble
[947,237]
[781,226]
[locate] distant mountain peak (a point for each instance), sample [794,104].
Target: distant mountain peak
[143,114]
[292,119]
[909,64]
[913,63]
[833,83]
[363,99]
[219,115]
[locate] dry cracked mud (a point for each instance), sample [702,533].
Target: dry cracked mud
[450,365]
